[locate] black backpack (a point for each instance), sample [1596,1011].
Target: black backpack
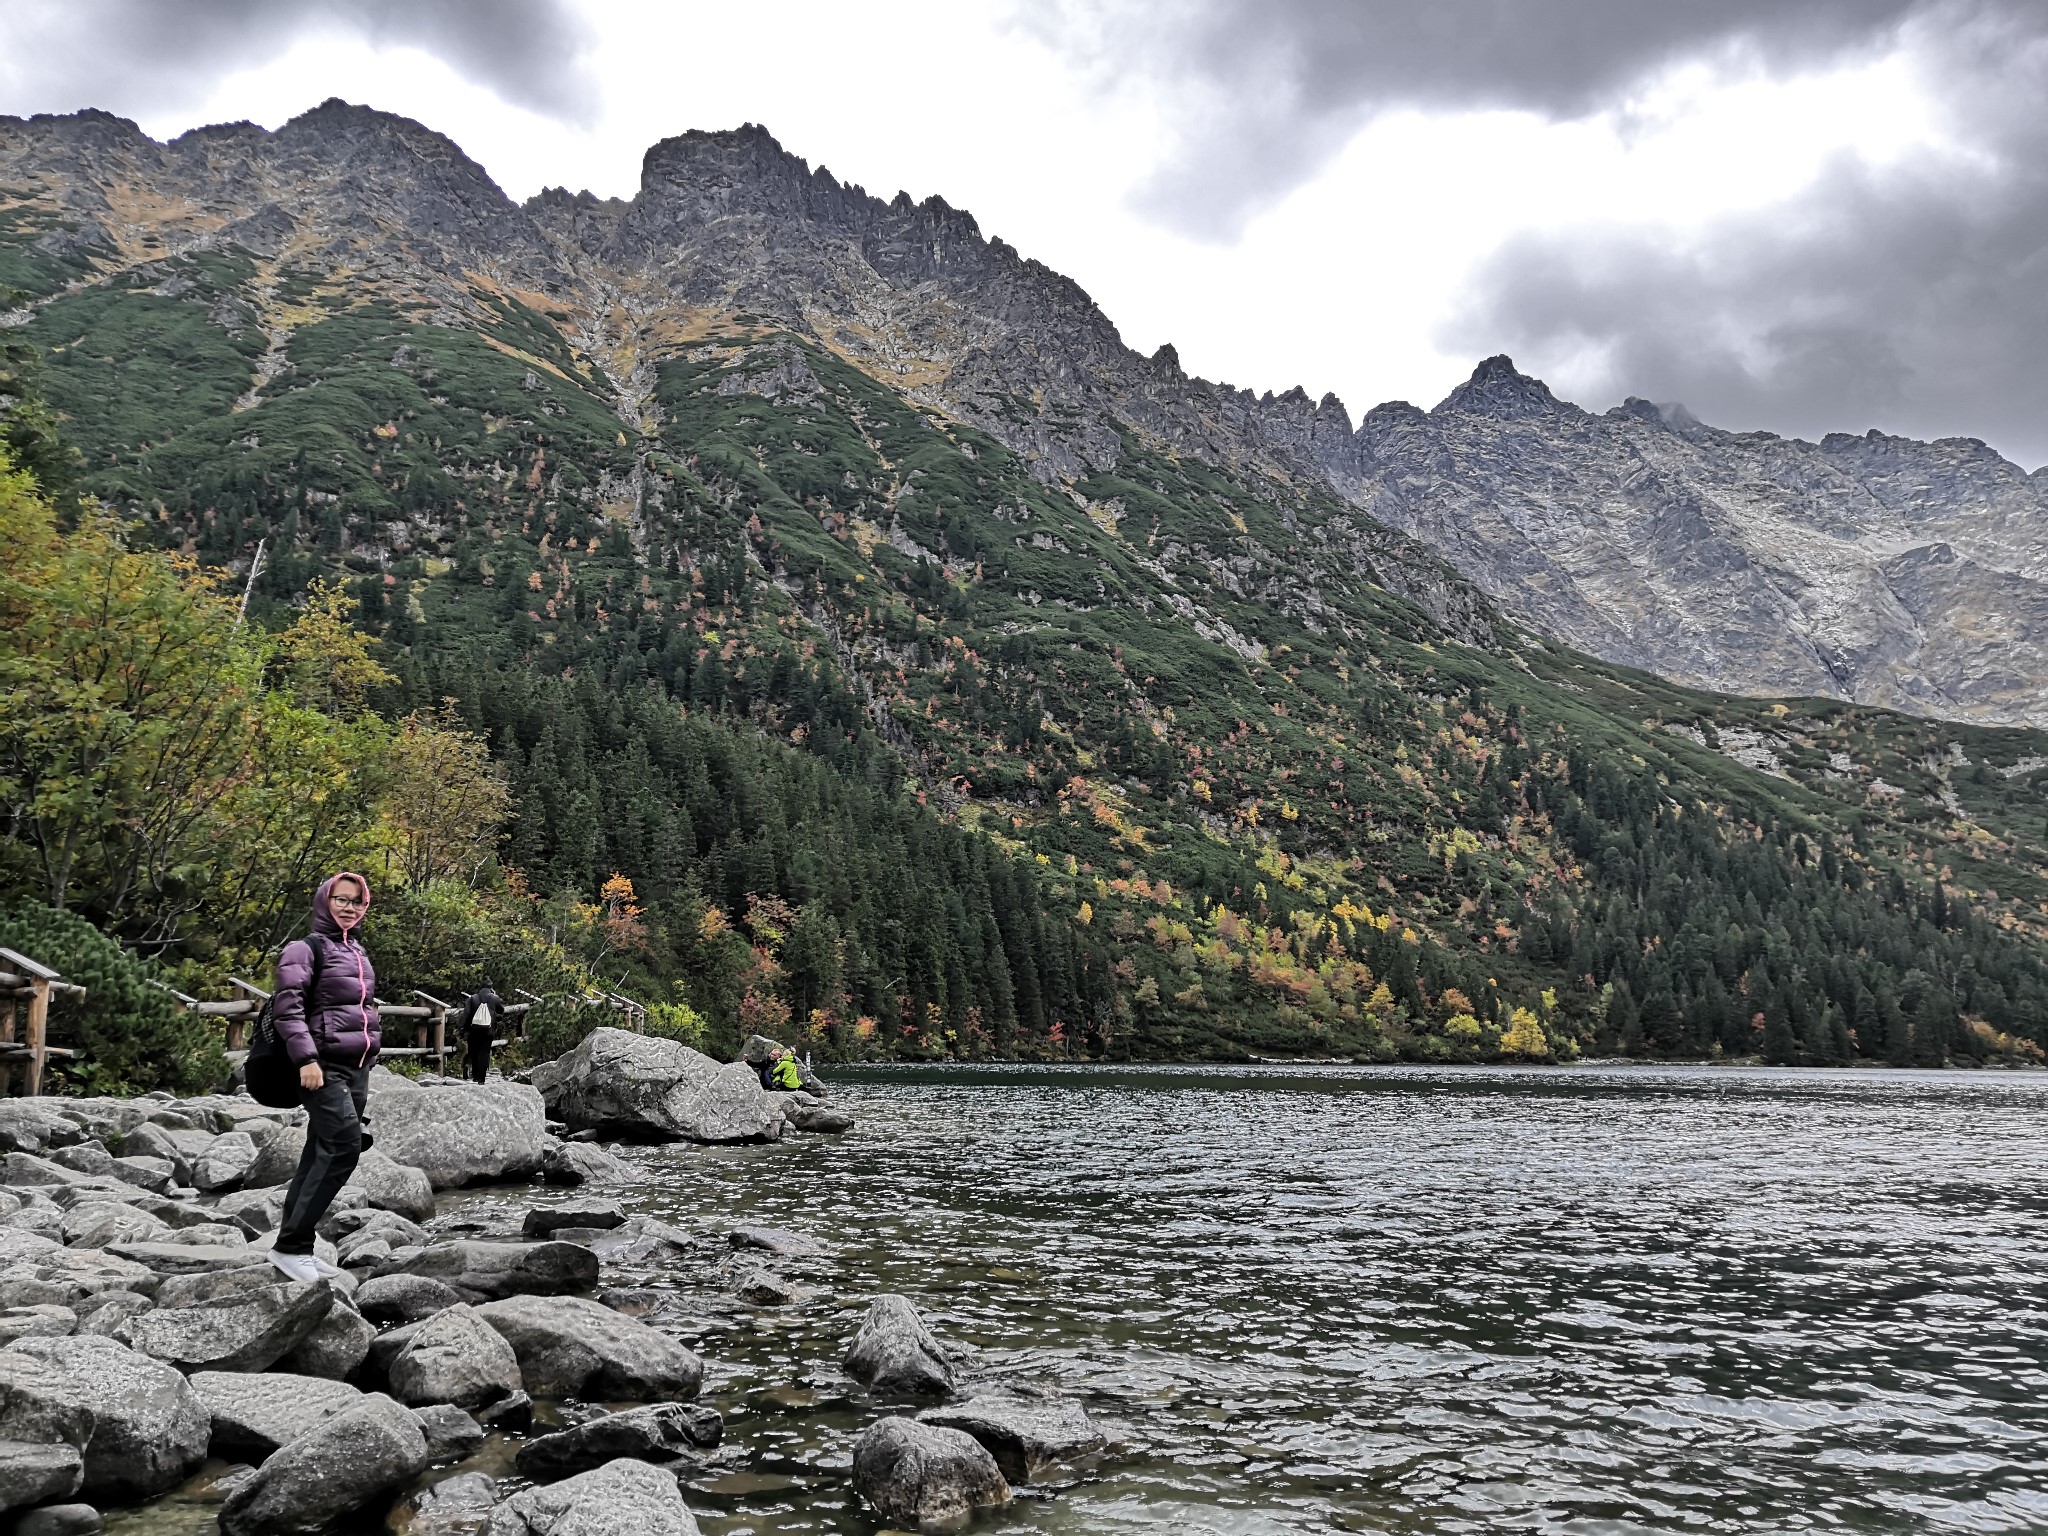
[269,1073]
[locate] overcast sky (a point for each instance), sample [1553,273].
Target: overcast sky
[1800,215]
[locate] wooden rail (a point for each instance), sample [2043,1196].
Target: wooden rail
[36,982]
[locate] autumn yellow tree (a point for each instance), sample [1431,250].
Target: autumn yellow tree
[444,802]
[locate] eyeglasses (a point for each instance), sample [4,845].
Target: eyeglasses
[347,901]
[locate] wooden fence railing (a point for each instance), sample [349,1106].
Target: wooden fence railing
[237,1014]
[27,979]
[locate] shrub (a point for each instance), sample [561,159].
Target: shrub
[131,1038]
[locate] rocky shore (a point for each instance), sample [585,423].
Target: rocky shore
[460,1377]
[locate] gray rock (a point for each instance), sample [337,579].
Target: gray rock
[643,1086]
[352,1459]
[184,1258]
[111,1312]
[392,1186]
[915,1473]
[86,1157]
[462,1133]
[578,1162]
[895,1353]
[543,1220]
[814,1118]
[450,1432]
[369,1220]
[485,1271]
[455,1506]
[40,1270]
[367,1251]
[153,1142]
[403,1298]
[660,1432]
[634,1302]
[155,1174]
[639,1240]
[148,1428]
[97,1223]
[225,1162]
[256,1211]
[28,1126]
[570,1347]
[210,1234]
[247,1332]
[760,1286]
[59,1520]
[336,1347]
[43,1220]
[253,1415]
[35,1474]
[455,1357]
[513,1414]
[191,1290]
[26,1169]
[779,1241]
[1028,1431]
[625,1498]
[45,1320]
[277,1157]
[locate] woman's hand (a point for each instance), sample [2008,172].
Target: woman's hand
[310,1076]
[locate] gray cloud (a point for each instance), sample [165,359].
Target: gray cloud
[139,55]
[1268,90]
[1913,299]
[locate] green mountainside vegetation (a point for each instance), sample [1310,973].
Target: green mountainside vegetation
[762,694]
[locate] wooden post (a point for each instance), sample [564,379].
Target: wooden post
[440,1031]
[7,1038]
[41,980]
[38,1031]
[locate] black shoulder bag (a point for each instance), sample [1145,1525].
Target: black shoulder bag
[271,1076]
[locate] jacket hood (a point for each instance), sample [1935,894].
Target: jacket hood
[324,921]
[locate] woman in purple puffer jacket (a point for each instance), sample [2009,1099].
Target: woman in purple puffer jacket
[328,1027]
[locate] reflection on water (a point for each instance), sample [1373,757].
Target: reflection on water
[1398,1300]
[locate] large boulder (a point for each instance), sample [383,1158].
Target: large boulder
[895,1353]
[815,1117]
[1028,1431]
[46,1320]
[479,1271]
[660,1432]
[36,1474]
[148,1427]
[625,1084]
[455,1357]
[35,1269]
[255,1414]
[916,1473]
[169,1258]
[462,1133]
[570,1347]
[25,1170]
[250,1331]
[624,1498]
[355,1457]
[29,1126]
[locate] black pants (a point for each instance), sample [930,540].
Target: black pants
[334,1142]
[476,1054]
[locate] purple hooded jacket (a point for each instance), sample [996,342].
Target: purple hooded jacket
[340,1021]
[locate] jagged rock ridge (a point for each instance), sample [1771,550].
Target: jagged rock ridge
[1878,569]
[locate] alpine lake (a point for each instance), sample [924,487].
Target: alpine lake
[1601,1300]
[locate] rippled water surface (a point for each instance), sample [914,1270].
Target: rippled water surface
[1595,1300]
[1588,1300]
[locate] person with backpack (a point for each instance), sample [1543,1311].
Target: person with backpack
[779,1073]
[325,1015]
[480,1015]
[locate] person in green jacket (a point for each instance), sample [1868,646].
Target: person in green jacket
[782,1073]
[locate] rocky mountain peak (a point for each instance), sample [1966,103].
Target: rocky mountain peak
[1500,390]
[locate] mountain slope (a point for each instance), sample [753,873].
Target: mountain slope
[837,472]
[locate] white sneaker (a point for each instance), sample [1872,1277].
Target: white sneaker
[327,1270]
[295,1266]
